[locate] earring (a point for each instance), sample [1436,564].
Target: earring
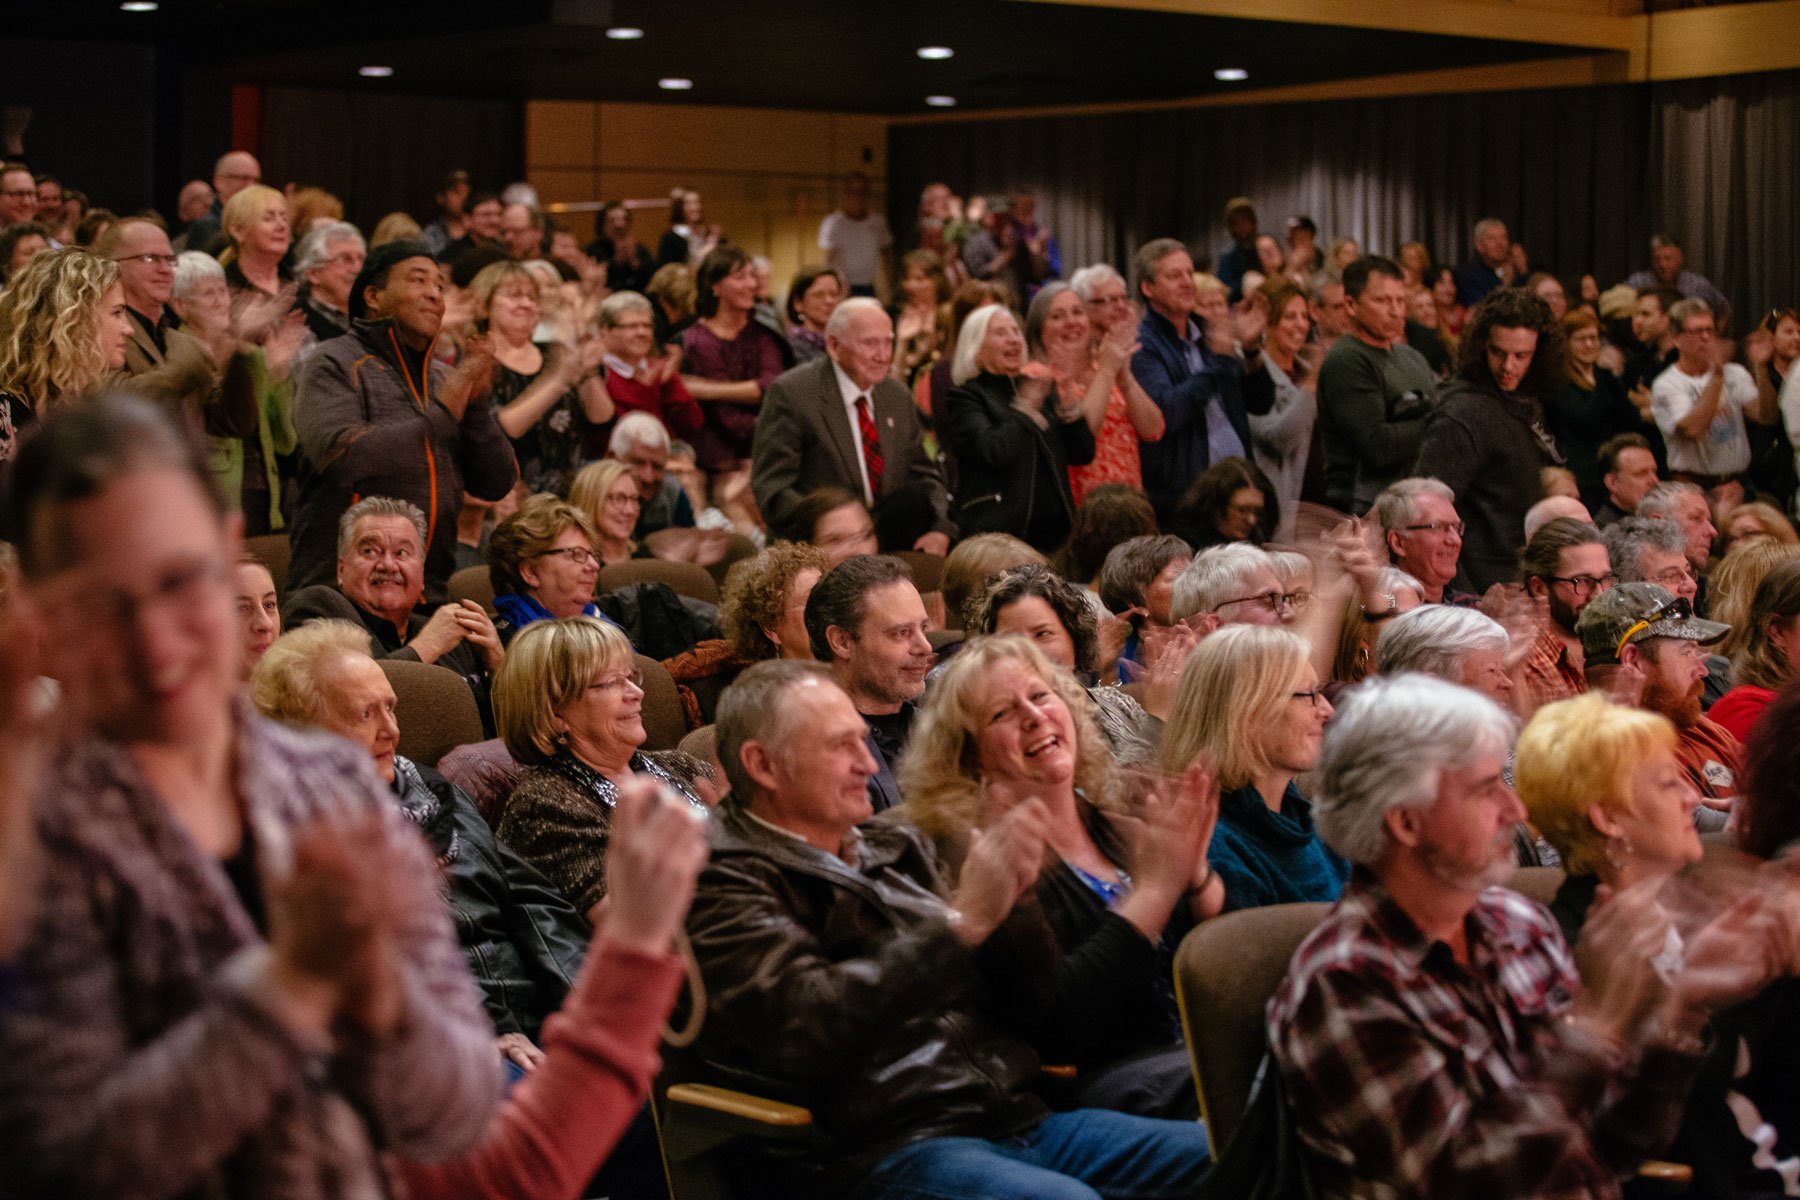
[1617,858]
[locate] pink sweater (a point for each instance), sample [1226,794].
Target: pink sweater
[563,1119]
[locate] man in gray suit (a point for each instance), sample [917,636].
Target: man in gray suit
[842,421]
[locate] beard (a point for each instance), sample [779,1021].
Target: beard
[1681,707]
[1562,613]
[1472,874]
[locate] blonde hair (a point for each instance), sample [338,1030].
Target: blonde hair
[1205,281]
[548,666]
[244,209]
[1578,753]
[530,531]
[285,684]
[972,563]
[490,278]
[50,326]
[395,227]
[940,775]
[587,491]
[1768,519]
[1233,688]
[1732,585]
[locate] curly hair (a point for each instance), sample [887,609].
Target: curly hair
[288,682]
[940,774]
[756,595]
[1514,308]
[1064,598]
[50,326]
[531,530]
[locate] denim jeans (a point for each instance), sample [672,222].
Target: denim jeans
[1080,1155]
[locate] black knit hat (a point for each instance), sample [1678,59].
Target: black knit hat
[382,260]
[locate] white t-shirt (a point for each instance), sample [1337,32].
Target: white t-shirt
[858,245]
[1724,449]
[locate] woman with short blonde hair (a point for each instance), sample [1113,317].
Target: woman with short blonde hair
[542,564]
[62,328]
[1250,704]
[569,704]
[288,681]
[600,492]
[255,222]
[1003,730]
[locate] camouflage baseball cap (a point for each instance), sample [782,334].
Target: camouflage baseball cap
[1633,612]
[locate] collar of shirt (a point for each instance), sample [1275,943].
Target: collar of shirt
[849,391]
[620,367]
[850,854]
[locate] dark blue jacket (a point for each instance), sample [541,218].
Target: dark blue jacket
[1162,370]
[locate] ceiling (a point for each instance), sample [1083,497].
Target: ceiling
[834,55]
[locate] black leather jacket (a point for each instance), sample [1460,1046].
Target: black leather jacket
[1012,477]
[844,989]
[523,940]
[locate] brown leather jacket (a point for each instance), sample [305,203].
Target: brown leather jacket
[843,989]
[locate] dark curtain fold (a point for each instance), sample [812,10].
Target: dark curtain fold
[383,154]
[1582,176]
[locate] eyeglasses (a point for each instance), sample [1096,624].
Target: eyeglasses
[1677,609]
[1456,527]
[581,556]
[343,260]
[1273,601]
[1587,584]
[1312,696]
[149,260]
[624,501]
[1673,578]
[616,683]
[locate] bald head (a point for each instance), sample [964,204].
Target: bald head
[522,229]
[234,172]
[196,197]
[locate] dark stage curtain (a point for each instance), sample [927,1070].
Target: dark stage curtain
[1582,176]
[388,153]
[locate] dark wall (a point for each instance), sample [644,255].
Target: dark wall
[93,121]
[1582,176]
[381,153]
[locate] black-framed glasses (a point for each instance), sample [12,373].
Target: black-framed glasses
[1273,601]
[1312,696]
[1585,585]
[581,556]
[1676,609]
[1456,527]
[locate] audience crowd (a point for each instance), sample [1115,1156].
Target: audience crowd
[866,703]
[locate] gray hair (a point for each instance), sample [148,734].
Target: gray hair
[1550,508]
[521,193]
[1626,541]
[1216,573]
[613,309]
[1291,565]
[1393,579]
[1087,279]
[193,268]
[1398,503]
[1435,639]
[378,506]
[1039,312]
[314,249]
[637,429]
[1661,500]
[1487,225]
[838,324]
[965,366]
[1389,746]
[1329,277]
[751,711]
[1143,263]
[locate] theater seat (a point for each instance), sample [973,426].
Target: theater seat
[665,722]
[1537,883]
[273,551]
[435,708]
[685,578]
[471,583]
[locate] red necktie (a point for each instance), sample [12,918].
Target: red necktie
[871,446]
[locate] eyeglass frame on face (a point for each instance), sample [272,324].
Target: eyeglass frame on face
[119,609]
[1586,585]
[1312,696]
[1682,574]
[615,684]
[1459,528]
[1269,600]
[621,501]
[581,556]
[149,260]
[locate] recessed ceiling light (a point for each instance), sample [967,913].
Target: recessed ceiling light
[624,33]
[375,72]
[139,6]
[941,101]
[936,52]
[675,85]
[1231,74]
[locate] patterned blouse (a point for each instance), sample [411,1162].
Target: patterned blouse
[1115,445]
[560,813]
[554,449]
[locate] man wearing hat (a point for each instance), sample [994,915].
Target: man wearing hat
[1240,256]
[1643,629]
[378,415]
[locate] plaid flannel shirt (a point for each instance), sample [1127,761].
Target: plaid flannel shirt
[1549,673]
[1413,1077]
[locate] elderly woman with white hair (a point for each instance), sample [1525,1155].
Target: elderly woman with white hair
[326,263]
[1086,332]
[1457,644]
[1013,440]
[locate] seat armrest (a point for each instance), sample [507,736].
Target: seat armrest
[743,1106]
